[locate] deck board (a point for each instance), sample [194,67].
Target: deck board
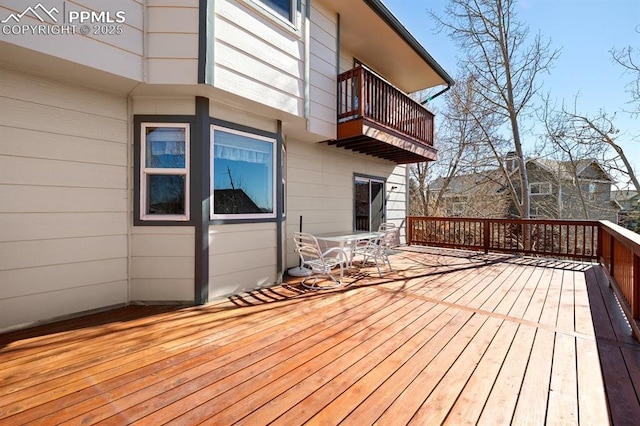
[448,337]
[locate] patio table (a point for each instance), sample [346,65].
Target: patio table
[347,240]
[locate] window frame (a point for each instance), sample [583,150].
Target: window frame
[243,217]
[145,171]
[262,6]
[540,185]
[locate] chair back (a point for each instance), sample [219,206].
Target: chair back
[388,240]
[307,246]
[386,226]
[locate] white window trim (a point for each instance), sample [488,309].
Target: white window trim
[264,9]
[146,171]
[274,160]
[541,184]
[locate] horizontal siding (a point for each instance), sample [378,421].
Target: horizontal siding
[322,77]
[255,58]
[162,264]
[397,199]
[320,188]
[241,257]
[61,302]
[172,42]
[47,279]
[119,54]
[164,106]
[64,214]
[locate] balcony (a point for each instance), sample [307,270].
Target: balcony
[377,119]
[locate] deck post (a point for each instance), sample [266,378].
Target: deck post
[599,253]
[486,234]
[409,230]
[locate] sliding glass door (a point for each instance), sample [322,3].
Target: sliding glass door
[369,205]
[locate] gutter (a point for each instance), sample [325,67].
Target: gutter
[430,98]
[381,10]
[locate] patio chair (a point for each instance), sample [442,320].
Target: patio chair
[377,250]
[320,263]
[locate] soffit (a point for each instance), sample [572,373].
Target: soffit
[372,40]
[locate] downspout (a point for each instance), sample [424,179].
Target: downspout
[430,98]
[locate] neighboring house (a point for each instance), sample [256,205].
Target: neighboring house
[626,199]
[164,151]
[628,202]
[469,195]
[559,190]
[570,190]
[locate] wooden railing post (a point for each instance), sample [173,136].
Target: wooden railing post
[599,253]
[487,235]
[361,84]
[410,230]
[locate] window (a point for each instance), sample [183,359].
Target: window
[283,8]
[243,175]
[540,188]
[164,172]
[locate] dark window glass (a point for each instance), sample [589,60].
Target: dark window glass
[165,194]
[243,175]
[283,7]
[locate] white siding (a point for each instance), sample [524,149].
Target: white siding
[323,68]
[64,208]
[241,257]
[119,54]
[162,264]
[397,199]
[257,58]
[172,41]
[320,188]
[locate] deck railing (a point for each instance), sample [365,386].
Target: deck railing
[620,256]
[562,239]
[362,94]
[616,248]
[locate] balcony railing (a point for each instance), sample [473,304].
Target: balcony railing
[615,248]
[366,100]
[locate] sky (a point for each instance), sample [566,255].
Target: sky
[584,30]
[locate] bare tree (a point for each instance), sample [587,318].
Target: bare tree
[629,58]
[595,136]
[462,148]
[505,67]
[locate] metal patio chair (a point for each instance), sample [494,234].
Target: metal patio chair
[377,249]
[318,262]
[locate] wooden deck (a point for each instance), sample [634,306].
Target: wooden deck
[449,337]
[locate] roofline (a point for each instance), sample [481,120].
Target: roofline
[381,10]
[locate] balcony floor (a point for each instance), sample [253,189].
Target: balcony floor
[449,337]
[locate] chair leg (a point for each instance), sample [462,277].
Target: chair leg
[314,286]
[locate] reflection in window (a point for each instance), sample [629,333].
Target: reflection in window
[164,171]
[165,194]
[282,7]
[243,174]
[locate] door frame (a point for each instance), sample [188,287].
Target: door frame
[370,179]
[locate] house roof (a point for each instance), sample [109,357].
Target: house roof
[370,31]
[564,169]
[624,195]
[465,183]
